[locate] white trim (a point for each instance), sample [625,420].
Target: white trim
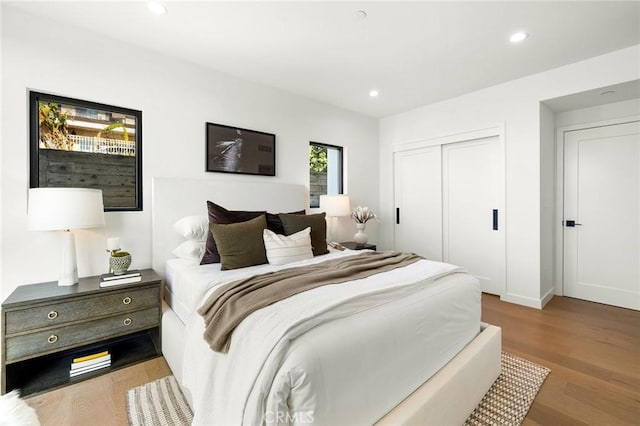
[523,300]
[483,132]
[547,297]
[559,214]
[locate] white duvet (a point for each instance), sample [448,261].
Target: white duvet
[338,354]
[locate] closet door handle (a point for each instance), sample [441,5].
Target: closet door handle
[495,219]
[397,215]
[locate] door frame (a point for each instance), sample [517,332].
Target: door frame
[494,130]
[558,228]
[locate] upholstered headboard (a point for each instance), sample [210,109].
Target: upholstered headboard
[174,198]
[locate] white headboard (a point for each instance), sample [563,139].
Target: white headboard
[174,198]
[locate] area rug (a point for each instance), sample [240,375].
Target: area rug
[161,403]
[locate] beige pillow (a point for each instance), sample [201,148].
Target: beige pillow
[286,249]
[240,244]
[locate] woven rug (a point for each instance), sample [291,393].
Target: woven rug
[161,403]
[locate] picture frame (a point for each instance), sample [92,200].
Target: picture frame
[83,144]
[236,150]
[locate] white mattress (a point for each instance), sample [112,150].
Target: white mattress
[355,369]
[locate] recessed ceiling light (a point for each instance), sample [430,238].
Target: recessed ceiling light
[360,15]
[608,92]
[518,37]
[157,8]
[374,93]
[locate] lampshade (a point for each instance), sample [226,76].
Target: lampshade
[335,205]
[52,209]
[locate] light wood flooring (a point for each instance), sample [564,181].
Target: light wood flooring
[593,352]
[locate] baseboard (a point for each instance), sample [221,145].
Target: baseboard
[523,300]
[547,297]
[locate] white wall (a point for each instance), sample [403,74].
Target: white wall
[597,113]
[176,99]
[516,105]
[547,202]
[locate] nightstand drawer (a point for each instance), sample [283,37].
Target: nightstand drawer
[60,313]
[55,339]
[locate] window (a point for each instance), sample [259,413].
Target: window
[325,171]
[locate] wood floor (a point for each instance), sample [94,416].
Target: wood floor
[593,352]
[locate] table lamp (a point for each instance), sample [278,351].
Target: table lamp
[335,206]
[65,209]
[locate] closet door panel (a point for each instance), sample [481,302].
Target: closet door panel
[418,202]
[472,233]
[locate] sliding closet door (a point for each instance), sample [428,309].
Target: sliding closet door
[473,235]
[418,201]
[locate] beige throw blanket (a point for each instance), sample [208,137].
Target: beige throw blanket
[229,304]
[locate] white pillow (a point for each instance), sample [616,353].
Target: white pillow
[286,249]
[190,249]
[193,227]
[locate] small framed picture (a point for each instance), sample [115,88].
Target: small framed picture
[236,150]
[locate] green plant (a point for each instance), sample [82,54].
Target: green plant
[318,159]
[120,254]
[110,127]
[53,126]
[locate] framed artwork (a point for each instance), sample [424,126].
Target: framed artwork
[82,144]
[236,150]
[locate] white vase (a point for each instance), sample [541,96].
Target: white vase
[360,237]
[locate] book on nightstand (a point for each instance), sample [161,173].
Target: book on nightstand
[107,280]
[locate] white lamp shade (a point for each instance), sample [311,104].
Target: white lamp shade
[52,209]
[335,205]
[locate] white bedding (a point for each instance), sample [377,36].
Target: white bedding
[394,331]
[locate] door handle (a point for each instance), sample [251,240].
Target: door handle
[571,223]
[495,219]
[397,215]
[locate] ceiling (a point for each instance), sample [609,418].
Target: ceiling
[600,96]
[414,53]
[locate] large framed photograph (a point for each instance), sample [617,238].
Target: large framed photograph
[82,144]
[236,150]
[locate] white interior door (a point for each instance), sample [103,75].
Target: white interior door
[418,200]
[602,214]
[473,235]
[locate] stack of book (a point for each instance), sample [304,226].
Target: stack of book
[89,363]
[128,277]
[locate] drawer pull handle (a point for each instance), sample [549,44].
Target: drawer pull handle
[52,315]
[126,300]
[52,339]
[127,321]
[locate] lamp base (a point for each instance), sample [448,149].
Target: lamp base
[68,274]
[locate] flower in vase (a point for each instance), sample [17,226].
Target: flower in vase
[362,214]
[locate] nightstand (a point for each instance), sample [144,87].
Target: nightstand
[45,326]
[355,246]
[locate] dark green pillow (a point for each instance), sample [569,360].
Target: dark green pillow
[240,244]
[294,223]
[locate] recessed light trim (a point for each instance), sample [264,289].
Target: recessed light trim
[156,8]
[374,93]
[360,15]
[607,92]
[518,37]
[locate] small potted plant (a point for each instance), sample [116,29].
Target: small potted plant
[119,262]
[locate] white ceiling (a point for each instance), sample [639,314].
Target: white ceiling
[414,53]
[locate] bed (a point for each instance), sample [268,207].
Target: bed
[357,367]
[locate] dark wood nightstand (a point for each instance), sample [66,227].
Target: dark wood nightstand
[45,326]
[355,246]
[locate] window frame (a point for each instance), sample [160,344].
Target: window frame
[340,149]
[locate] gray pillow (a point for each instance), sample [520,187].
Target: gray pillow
[294,223]
[240,244]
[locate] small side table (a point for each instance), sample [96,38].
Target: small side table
[355,246]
